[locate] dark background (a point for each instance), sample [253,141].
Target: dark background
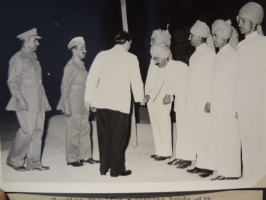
[58,21]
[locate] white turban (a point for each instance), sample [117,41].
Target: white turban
[225,30]
[202,29]
[253,12]
[161,38]
[162,52]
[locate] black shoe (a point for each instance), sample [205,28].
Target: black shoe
[89,160]
[124,173]
[194,170]
[218,178]
[175,162]
[153,156]
[103,173]
[95,161]
[18,168]
[41,168]
[232,178]
[75,164]
[205,173]
[160,158]
[184,164]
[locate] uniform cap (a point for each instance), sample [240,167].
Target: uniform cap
[30,33]
[76,41]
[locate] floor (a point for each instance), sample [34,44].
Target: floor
[138,158]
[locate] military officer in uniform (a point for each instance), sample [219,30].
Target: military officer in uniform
[78,147]
[29,101]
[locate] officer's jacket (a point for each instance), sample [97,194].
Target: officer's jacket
[73,88]
[25,80]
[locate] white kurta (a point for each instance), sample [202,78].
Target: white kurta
[249,101]
[177,79]
[157,87]
[223,112]
[198,94]
[112,74]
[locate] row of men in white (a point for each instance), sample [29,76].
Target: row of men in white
[219,99]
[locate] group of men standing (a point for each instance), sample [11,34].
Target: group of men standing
[107,88]
[219,100]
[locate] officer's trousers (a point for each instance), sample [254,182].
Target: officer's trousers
[78,140]
[28,140]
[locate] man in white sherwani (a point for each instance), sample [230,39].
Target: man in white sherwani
[250,90]
[159,96]
[159,38]
[112,75]
[198,98]
[225,37]
[177,73]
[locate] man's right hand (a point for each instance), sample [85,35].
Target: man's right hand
[22,104]
[147,98]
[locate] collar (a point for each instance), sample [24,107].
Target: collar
[252,35]
[119,47]
[227,46]
[25,53]
[200,47]
[80,63]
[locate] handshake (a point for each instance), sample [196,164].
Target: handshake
[166,100]
[145,100]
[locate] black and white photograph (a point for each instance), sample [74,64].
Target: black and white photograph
[132,96]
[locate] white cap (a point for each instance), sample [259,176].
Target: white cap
[75,41]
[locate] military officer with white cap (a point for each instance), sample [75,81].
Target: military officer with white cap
[250,89]
[30,103]
[198,98]
[78,147]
